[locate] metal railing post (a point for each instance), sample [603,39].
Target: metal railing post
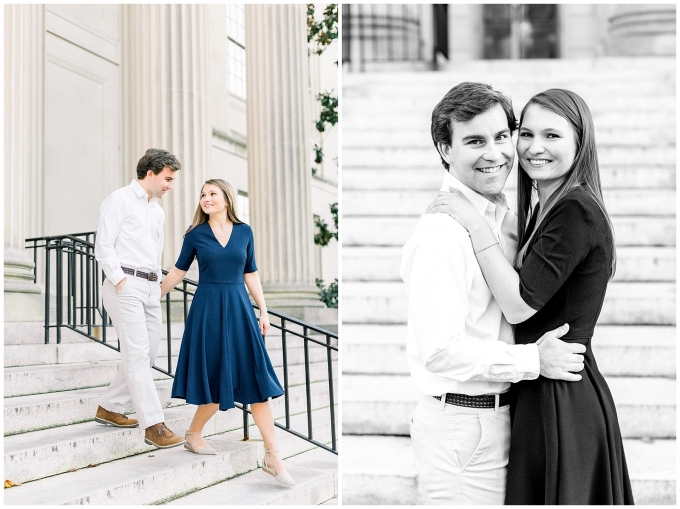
[308,384]
[47,292]
[246,424]
[60,296]
[35,260]
[285,371]
[168,324]
[331,393]
[89,291]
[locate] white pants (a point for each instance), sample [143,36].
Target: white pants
[461,453]
[136,316]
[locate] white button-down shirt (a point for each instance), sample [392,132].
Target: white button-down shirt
[130,232]
[458,339]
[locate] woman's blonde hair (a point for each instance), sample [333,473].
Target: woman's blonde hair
[229,197]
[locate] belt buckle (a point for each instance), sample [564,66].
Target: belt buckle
[153,276]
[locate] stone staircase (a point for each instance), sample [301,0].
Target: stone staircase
[59,455]
[391,171]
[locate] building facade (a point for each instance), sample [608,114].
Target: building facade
[231,90]
[439,35]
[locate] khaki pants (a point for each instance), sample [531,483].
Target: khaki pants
[461,453]
[136,316]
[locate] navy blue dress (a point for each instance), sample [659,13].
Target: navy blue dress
[223,358]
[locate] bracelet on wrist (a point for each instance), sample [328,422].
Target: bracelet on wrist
[485,248]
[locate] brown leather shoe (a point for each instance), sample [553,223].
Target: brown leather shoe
[161,437]
[122,421]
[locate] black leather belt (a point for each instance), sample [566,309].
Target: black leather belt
[483,401]
[151,276]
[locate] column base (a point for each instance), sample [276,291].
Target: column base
[24,307]
[24,301]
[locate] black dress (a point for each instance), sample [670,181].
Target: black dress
[566,446]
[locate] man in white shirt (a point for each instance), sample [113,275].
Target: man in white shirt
[128,248]
[460,347]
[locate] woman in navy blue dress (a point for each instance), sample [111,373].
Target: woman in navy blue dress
[223,358]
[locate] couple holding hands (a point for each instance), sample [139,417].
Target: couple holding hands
[222,358]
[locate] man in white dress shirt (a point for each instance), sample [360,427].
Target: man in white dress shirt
[128,248]
[460,347]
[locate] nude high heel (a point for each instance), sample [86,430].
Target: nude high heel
[284,478]
[206,449]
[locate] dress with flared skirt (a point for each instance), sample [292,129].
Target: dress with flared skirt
[223,357]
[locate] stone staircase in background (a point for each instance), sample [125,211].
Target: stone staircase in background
[59,455]
[391,171]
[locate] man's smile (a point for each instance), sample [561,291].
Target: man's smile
[491,169]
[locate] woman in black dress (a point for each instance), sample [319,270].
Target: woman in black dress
[566,446]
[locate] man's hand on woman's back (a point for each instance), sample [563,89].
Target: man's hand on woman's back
[560,360]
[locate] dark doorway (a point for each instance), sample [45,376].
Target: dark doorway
[521,31]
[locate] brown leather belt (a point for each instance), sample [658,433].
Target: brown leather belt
[483,401]
[151,276]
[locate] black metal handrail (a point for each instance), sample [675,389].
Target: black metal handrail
[85,312]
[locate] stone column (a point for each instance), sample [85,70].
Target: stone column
[23,155]
[279,170]
[165,103]
[642,30]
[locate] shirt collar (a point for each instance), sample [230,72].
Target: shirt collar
[140,192]
[480,203]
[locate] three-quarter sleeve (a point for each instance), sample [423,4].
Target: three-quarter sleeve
[188,253]
[250,254]
[562,243]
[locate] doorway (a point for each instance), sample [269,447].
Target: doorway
[520,31]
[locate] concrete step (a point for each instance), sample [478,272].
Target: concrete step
[420,122]
[381,470]
[383,405]
[26,380]
[399,157]
[372,104]
[32,333]
[632,264]
[42,411]
[625,303]
[164,475]
[388,136]
[52,451]
[430,178]
[39,379]
[395,231]
[619,202]
[315,473]
[598,72]
[631,350]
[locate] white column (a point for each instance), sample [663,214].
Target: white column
[279,170]
[165,103]
[23,154]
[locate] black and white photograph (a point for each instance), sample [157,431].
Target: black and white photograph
[508,217]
